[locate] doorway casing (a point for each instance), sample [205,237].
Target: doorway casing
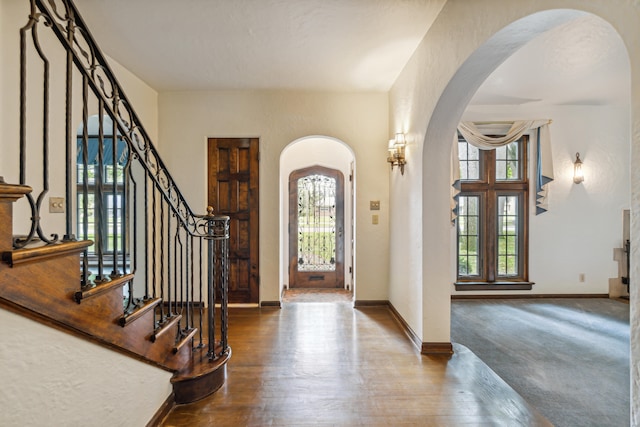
[330,153]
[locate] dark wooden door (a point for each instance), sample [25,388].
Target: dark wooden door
[233,191]
[316,228]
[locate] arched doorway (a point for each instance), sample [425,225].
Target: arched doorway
[452,61]
[558,256]
[448,112]
[325,153]
[538,82]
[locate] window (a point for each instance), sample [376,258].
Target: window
[492,235]
[106,174]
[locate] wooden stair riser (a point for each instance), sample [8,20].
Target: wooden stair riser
[6,234]
[200,378]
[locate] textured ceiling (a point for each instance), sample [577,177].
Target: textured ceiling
[351,45]
[261,44]
[582,62]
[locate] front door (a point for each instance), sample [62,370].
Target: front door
[316,228]
[233,191]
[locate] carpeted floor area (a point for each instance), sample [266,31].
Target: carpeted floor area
[569,358]
[317,295]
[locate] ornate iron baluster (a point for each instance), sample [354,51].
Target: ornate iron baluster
[146,239]
[223,236]
[190,282]
[211,285]
[101,239]
[177,277]
[200,282]
[169,282]
[125,221]
[69,16]
[85,180]
[35,205]
[114,194]
[162,264]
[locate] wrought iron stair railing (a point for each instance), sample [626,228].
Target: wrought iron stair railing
[118,191]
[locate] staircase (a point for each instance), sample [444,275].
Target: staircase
[135,270]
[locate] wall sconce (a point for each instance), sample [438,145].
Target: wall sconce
[396,152]
[578,175]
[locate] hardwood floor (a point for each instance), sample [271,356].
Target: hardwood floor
[333,365]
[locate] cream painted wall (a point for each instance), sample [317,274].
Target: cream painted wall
[406,257]
[360,120]
[306,152]
[50,377]
[46,374]
[429,98]
[3,42]
[584,223]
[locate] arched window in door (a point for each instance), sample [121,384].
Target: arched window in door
[316,223]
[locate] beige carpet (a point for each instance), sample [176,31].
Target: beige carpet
[567,357]
[317,295]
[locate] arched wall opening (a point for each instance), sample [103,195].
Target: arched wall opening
[578,75]
[438,263]
[439,271]
[330,153]
[448,111]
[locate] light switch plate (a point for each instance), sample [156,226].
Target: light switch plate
[374,205]
[56,204]
[374,219]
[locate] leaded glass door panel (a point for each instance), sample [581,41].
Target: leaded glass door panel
[316,228]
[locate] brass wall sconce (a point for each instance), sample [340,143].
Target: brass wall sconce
[396,152]
[578,174]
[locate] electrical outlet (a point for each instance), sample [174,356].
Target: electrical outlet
[56,204]
[374,205]
[581,277]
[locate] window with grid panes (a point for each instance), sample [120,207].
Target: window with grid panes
[112,220]
[492,217]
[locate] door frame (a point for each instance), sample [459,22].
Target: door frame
[306,282]
[333,153]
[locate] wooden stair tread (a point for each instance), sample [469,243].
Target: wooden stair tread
[184,340]
[165,326]
[19,256]
[200,365]
[102,287]
[13,192]
[138,312]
